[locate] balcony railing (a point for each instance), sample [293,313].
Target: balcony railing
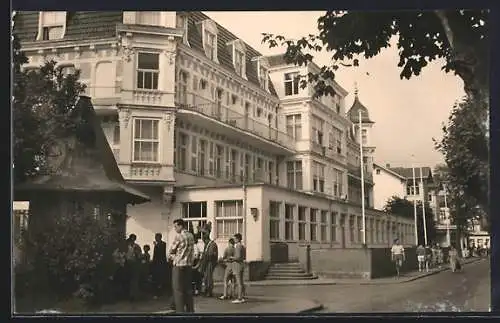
[230,177]
[219,111]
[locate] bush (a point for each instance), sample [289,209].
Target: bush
[75,255]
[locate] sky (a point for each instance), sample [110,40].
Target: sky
[407,113]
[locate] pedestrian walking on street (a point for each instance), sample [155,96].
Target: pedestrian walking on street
[208,263]
[398,255]
[239,267]
[159,265]
[228,259]
[421,257]
[454,259]
[181,253]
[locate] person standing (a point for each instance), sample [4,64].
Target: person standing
[198,254]
[228,258]
[453,258]
[239,267]
[159,265]
[133,264]
[420,257]
[398,255]
[208,263]
[181,253]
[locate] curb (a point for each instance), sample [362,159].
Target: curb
[315,306]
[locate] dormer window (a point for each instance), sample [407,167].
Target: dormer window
[239,59]
[263,76]
[52,25]
[182,20]
[210,44]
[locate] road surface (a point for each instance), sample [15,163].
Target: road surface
[445,291]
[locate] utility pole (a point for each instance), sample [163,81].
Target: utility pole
[423,206]
[414,203]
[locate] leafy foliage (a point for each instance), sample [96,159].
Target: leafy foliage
[75,254]
[466,150]
[404,208]
[458,36]
[43,110]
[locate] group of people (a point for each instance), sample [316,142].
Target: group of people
[189,263]
[427,257]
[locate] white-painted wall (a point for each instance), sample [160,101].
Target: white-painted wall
[386,186]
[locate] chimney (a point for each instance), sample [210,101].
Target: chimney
[387,165]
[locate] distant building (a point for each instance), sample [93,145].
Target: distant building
[388,184]
[213,131]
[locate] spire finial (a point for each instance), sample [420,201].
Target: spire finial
[356,89]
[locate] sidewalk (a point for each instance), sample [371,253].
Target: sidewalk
[253,304]
[405,277]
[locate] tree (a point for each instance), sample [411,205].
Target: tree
[458,36]
[404,208]
[43,110]
[465,147]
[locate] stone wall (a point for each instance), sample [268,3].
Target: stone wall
[366,263]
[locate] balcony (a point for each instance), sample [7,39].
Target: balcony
[192,107]
[223,177]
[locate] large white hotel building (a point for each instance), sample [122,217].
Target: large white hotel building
[214,131]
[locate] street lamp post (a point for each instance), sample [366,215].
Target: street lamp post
[415,203]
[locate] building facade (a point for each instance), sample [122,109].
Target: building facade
[387,185]
[215,132]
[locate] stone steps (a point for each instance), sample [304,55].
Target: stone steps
[288,271]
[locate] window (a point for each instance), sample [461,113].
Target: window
[211,153]
[233,161]
[239,62]
[294,174]
[68,69]
[364,136]
[323,226]
[263,76]
[203,157]
[274,220]
[410,188]
[21,220]
[377,171]
[331,141]
[337,182]
[313,225]
[289,208]
[194,153]
[377,232]
[318,177]
[116,134]
[52,25]
[182,87]
[352,229]
[146,140]
[360,229]
[317,129]
[219,157]
[228,218]
[294,126]
[210,44]
[371,230]
[182,155]
[337,135]
[150,18]
[148,69]
[333,226]
[271,172]
[195,214]
[302,223]
[291,83]
[248,162]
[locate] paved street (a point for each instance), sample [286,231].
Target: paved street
[446,291]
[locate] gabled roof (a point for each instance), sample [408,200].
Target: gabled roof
[83,25]
[88,165]
[407,172]
[353,113]
[224,55]
[388,170]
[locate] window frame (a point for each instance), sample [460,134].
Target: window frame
[294,81]
[59,24]
[295,173]
[302,223]
[190,220]
[274,221]
[289,222]
[157,141]
[239,218]
[145,70]
[294,123]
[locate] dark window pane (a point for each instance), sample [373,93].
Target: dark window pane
[148,61]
